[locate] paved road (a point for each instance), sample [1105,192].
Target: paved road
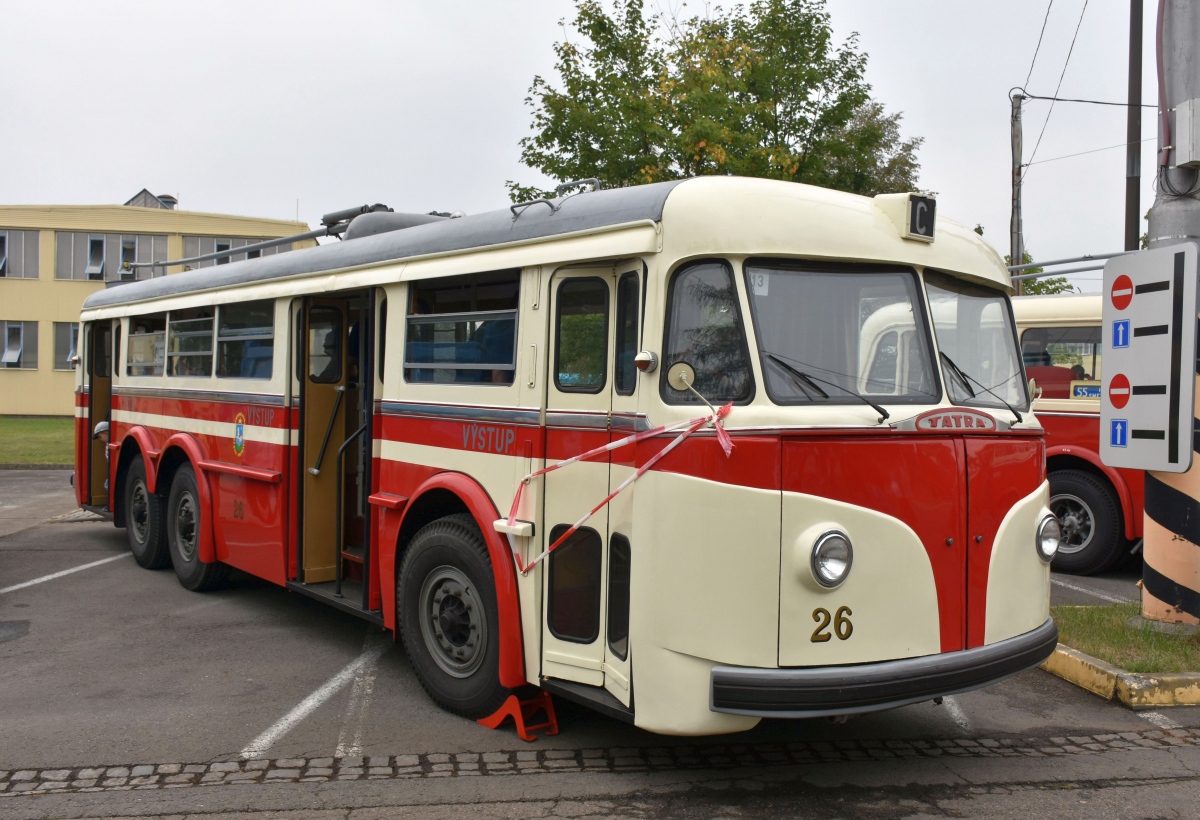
[123,694]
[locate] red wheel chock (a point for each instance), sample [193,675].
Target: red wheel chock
[521,711]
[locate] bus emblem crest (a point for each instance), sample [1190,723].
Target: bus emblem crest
[239,434]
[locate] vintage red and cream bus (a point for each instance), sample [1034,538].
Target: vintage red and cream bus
[643,448]
[1099,508]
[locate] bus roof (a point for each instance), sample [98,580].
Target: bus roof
[1074,308]
[865,224]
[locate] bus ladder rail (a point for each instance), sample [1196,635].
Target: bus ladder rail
[338,533]
[341,391]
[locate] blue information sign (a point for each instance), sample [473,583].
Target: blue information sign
[1118,435]
[1085,391]
[1120,337]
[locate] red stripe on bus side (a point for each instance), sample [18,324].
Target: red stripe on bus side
[255,414]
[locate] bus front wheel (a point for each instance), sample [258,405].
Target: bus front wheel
[1090,519]
[144,525]
[183,535]
[449,622]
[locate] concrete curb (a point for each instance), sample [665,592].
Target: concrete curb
[37,466]
[1137,691]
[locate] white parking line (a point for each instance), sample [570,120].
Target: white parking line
[956,713]
[311,703]
[1103,596]
[350,738]
[54,575]
[1160,720]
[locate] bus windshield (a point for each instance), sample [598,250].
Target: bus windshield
[851,331]
[977,341]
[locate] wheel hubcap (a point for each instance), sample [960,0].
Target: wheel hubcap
[453,623]
[1076,520]
[185,527]
[139,512]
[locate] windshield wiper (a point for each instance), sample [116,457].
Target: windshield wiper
[964,377]
[810,380]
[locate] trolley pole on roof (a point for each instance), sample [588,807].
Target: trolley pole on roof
[1133,132]
[1171,569]
[1016,243]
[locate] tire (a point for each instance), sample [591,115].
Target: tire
[145,524]
[1093,535]
[456,655]
[183,535]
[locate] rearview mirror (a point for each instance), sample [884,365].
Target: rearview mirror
[681,376]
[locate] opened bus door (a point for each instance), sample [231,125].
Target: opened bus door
[98,361]
[323,430]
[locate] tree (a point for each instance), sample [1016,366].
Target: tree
[1039,287]
[759,91]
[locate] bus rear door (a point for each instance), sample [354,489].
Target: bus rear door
[92,471]
[579,410]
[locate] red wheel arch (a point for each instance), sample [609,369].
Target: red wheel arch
[1124,496]
[483,510]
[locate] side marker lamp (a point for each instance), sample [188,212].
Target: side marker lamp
[832,556]
[1049,534]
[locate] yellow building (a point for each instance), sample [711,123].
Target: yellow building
[53,256]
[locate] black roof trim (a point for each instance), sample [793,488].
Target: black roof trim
[596,209]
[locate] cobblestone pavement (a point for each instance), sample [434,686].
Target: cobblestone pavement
[715,757]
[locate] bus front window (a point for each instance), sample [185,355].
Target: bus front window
[978,344]
[839,334]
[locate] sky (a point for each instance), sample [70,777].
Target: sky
[286,108]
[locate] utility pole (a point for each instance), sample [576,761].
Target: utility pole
[1171,559]
[1133,132]
[1016,244]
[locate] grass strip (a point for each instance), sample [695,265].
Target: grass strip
[1103,632]
[37,440]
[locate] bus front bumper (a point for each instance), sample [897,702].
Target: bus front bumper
[845,690]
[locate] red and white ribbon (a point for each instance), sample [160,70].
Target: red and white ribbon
[687,428]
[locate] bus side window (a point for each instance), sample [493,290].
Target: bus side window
[627,330]
[581,330]
[147,348]
[246,340]
[704,329]
[574,605]
[463,329]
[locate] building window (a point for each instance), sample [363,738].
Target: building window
[66,345]
[19,254]
[128,256]
[20,345]
[222,245]
[95,259]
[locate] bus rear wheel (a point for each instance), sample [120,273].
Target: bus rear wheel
[144,525]
[449,622]
[1090,519]
[183,535]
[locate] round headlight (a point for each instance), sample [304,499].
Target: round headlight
[1049,534]
[832,556]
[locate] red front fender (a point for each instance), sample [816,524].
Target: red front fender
[512,653]
[191,448]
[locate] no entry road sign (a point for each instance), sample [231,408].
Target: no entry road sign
[1149,359]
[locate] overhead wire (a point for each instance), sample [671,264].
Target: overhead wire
[1038,48]
[1057,88]
[1092,151]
